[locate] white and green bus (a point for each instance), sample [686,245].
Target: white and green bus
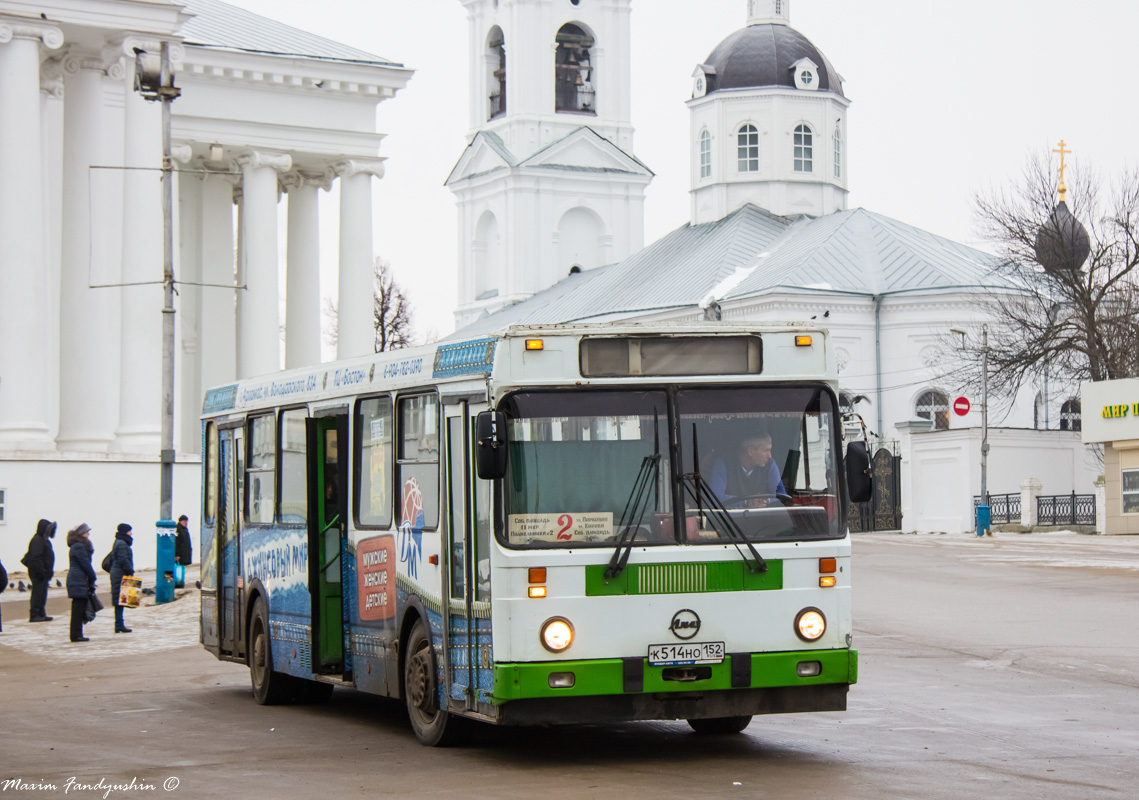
[559,524]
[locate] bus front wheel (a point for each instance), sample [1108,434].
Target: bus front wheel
[269,688]
[720,725]
[433,726]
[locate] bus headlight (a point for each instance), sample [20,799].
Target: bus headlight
[810,624]
[557,634]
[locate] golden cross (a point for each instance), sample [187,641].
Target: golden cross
[1062,152]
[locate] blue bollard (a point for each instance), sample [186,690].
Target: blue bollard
[984,520]
[164,580]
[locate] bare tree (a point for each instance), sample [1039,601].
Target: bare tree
[1066,295]
[391,310]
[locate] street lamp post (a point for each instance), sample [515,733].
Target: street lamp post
[983,511]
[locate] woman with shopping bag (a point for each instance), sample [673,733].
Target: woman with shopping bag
[122,563]
[80,578]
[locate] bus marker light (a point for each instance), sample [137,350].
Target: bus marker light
[828,565]
[433,560]
[803,341]
[537,574]
[826,581]
[810,625]
[557,634]
[562,680]
[537,591]
[808,669]
[535,344]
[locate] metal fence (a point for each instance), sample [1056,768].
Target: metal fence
[1058,509]
[1003,508]
[1066,509]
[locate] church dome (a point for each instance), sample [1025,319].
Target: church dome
[759,56]
[1062,243]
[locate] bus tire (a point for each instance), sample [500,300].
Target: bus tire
[312,692]
[433,726]
[720,725]
[269,688]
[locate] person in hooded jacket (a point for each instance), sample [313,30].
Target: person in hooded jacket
[80,577]
[122,563]
[40,561]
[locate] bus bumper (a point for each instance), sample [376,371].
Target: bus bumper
[616,690]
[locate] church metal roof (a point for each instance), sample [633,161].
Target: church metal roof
[763,55]
[221,25]
[752,251]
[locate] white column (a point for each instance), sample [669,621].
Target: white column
[88,350]
[302,285]
[258,338]
[140,379]
[217,331]
[355,328]
[23,267]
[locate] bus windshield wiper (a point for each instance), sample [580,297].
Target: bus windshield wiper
[645,486]
[702,494]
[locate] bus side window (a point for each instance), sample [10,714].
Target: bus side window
[374,458]
[211,461]
[293,458]
[418,479]
[261,441]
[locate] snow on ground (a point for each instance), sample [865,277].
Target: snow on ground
[155,627]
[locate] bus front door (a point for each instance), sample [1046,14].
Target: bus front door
[328,501]
[461,649]
[230,589]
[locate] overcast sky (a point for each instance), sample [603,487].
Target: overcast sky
[948,99]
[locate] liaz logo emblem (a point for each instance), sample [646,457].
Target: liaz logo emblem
[685,624]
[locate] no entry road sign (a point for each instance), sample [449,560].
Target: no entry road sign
[961,406]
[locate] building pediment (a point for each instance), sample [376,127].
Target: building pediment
[585,149]
[486,153]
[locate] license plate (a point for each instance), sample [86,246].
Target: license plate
[669,655]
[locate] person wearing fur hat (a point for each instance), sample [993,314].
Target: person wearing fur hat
[122,563]
[40,561]
[80,577]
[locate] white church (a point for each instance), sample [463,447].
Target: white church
[550,200]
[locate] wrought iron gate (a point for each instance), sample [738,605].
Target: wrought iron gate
[884,510]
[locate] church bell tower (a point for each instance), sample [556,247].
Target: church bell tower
[548,185]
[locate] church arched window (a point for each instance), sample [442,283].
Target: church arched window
[574,91]
[804,149]
[487,257]
[1071,416]
[837,152]
[747,148]
[933,405]
[705,154]
[496,66]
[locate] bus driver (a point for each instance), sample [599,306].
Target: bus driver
[750,479]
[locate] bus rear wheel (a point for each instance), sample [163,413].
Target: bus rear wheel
[269,688]
[720,725]
[433,726]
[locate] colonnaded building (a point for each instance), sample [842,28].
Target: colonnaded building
[266,111]
[550,196]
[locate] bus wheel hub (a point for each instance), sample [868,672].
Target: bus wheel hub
[419,680]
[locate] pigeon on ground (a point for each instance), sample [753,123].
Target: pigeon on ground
[197,584]
[21,587]
[57,583]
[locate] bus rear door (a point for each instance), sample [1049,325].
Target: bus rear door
[230,589]
[328,499]
[461,650]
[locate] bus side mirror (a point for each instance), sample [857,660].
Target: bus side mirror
[490,439]
[859,480]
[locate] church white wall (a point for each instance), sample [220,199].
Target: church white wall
[101,492]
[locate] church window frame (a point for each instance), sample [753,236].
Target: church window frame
[837,152]
[705,154]
[496,73]
[933,404]
[747,148]
[575,91]
[778,6]
[804,148]
[1071,415]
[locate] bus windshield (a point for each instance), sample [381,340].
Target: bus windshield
[582,465]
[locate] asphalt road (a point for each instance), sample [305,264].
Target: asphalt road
[995,668]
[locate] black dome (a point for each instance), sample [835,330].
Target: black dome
[762,55]
[1062,243]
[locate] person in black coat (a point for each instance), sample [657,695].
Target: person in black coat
[80,577]
[122,563]
[183,551]
[40,562]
